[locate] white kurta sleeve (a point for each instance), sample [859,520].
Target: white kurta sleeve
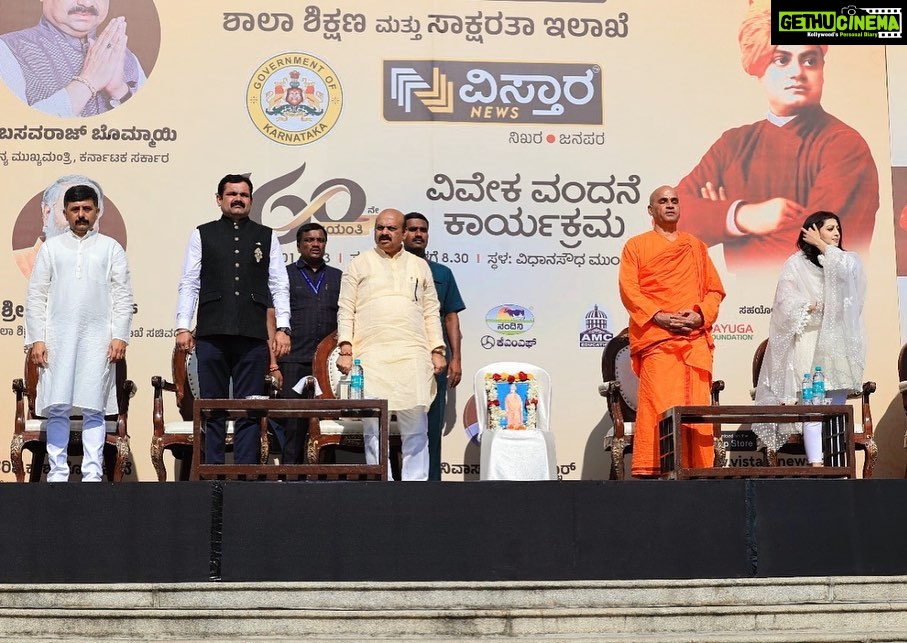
[36,299]
[431,311]
[121,295]
[347,303]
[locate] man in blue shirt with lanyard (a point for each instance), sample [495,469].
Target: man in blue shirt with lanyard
[415,240]
[314,288]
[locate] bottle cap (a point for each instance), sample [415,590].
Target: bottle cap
[357,361]
[818,368]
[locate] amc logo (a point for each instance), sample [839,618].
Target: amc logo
[510,319]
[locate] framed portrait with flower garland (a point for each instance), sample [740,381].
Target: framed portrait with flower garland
[512,400]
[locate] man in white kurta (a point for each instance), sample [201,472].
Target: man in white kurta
[78,316]
[388,318]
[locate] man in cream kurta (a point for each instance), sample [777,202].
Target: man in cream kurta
[388,318]
[78,315]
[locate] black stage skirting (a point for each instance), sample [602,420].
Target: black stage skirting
[435,531]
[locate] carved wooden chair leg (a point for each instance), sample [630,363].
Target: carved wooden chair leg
[720,453]
[122,458]
[15,456]
[313,451]
[157,459]
[617,459]
[870,455]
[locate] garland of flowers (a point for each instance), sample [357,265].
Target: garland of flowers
[496,413]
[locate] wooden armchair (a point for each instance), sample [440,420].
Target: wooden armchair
[329,435]
[30,429]
[862,440]
[176,435]
[620,386]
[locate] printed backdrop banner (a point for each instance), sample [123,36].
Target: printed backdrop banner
[530,133]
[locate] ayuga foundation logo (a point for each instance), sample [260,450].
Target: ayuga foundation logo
[294,98]
[494,92]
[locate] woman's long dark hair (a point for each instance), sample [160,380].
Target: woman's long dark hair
[818,219]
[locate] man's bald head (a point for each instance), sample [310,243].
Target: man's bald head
[664,206]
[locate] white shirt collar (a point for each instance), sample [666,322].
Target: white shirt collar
[780,121]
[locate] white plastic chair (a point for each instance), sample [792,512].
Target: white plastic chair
[516,454]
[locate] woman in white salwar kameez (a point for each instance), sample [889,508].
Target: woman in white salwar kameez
[817,320]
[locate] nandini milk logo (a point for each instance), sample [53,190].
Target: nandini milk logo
[294,98]
[509,319]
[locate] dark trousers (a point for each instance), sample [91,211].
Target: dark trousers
[245,361]
[435,423]
[296,431]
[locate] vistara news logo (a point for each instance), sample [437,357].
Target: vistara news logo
[797,23]
[493,92]
[294,98]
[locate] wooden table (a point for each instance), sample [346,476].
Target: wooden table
[261,410]
[837,439]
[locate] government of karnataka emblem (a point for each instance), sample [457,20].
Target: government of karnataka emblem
[294,98]
[301,99]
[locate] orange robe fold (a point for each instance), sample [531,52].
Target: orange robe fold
[659,275]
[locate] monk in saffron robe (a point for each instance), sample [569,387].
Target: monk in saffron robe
[671,290]
[755,185]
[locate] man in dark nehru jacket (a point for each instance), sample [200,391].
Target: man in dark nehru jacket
[233,269]
[314,288]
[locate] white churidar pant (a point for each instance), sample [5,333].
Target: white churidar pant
[93,434]
[413,426]
[812,431]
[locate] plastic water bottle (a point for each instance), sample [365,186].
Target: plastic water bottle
[818,386]
[806,389]
[357,380]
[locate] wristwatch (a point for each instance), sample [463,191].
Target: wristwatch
[284,329]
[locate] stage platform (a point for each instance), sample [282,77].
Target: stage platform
[471,531]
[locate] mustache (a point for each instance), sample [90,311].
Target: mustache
[80,9]
[82,220]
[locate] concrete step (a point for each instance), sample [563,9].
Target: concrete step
[832,609]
